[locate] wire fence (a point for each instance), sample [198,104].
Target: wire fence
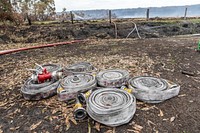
[146,13]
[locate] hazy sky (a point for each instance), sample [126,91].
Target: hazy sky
[117,4]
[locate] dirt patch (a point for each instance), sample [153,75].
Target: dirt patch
[94,30]
[166,58]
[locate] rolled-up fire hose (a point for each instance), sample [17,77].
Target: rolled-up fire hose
[113,78]
[111,106]
[50,67]
[32,90]
[73,84]
[81,67]
[153,90]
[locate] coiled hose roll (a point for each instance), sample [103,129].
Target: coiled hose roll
[32,90]
[111,106]
[71,85]
[50,67]
[113,78]
[153,90]
[81,67]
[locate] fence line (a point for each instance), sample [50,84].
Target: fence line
[110,15]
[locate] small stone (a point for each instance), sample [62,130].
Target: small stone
[191,101]
[172,119]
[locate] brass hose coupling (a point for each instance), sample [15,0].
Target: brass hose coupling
[129,90]
[79,112]
[82,97]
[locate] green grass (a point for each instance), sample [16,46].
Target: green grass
[194,20]
[172,20]
[44,22]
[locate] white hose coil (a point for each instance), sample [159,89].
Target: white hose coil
[153,90]
[81,67]
[32,90]
[112,78]
[111,106]
[135,28]
[49,67]
[71,85]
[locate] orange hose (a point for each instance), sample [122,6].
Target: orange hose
[36,47]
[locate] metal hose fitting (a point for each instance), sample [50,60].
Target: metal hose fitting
[71,85]
[153,90]
[56,70]
[57,75]
[111,106]
[79,112]
[113,78]
[33,90]
[129,90]
[84,96]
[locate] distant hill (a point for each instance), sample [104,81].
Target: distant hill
[170,11]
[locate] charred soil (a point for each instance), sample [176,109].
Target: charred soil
[171,58]
[95,30]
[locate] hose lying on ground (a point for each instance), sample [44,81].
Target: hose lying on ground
[153,90]
[37,47]
[112,78]
[50,67]
[135,28]
[111,106]
[73,84]
[83,96]
[115,29]
[33,90]
[81,67]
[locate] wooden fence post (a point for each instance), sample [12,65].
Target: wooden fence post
[110,16]
[72,17]
[185,16]
[147,14]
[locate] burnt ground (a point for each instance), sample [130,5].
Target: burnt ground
[171,58]
[99,29]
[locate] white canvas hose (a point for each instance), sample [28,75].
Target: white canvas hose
[135,28]
[153,90]
[73,84]
[112,78]
[50,67]
[82,97]
[111,106]
[81,67]
[32,90]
